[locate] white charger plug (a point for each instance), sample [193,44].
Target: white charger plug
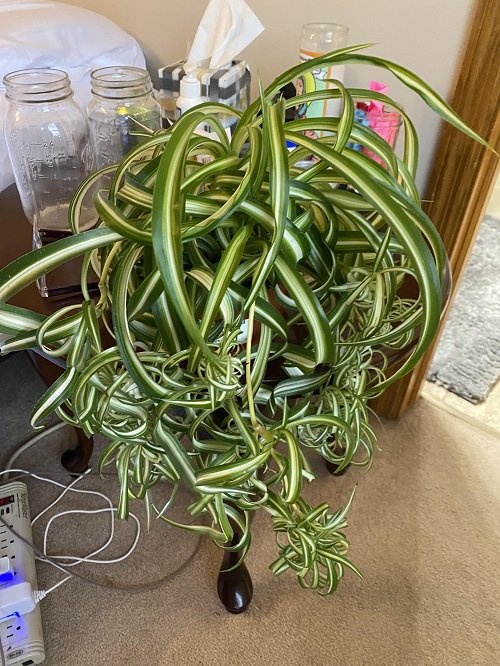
[7,571]
[16,599]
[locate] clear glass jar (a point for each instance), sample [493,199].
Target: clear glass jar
[48,143]
[122,102]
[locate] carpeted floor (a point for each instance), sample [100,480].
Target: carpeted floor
[467,358]
[424,529]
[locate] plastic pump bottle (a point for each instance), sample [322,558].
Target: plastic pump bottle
[189,93]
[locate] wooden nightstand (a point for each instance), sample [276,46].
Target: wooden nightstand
[16,233]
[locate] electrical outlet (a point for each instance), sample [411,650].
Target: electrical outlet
[21,635]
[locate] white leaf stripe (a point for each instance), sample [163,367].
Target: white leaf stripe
[121,327]
[60,390]
[232,471]
[28,268]
[278,171]
[414,245]
[167,216]
[14,319]
[311,310]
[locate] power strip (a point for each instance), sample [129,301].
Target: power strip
[21,635]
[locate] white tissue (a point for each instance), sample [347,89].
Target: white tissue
[227,27]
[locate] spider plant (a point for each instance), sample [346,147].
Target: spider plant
[252,305]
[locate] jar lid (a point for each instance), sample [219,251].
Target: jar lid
[120,82]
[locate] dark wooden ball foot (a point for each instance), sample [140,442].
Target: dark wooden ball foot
[234,585]
[332,468]
[71,461]
[235,588]
[76,461]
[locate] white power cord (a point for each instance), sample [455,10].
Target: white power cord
[31,442]
[36,596]
[153,585]
[70,560]
[111,510]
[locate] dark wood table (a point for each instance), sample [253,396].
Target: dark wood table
[16,239]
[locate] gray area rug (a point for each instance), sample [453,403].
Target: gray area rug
[467,360]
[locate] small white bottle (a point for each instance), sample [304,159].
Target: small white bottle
[189,97]
[189,93]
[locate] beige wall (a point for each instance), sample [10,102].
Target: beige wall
[424,35]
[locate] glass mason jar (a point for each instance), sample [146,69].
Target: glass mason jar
[122,103]
[48,143]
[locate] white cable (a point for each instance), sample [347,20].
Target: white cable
[88,558]
[111,509]
[36,476]
[78,560]
[61,582]
[31,442]
[59,497]
[153,585]
[44,557]
[39,595]
[70,559]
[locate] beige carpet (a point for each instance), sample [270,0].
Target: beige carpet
[424,530]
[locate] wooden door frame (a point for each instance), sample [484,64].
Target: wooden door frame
[463,172]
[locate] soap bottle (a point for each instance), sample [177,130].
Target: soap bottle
[189,93]
[189,97]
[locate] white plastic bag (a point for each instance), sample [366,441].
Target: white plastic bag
[52,34]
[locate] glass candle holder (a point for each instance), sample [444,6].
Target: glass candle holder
[317,39]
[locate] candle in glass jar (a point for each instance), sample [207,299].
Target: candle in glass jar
[317,39]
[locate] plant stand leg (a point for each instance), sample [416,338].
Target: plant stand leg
[76,461]
[235,587]
[332,468]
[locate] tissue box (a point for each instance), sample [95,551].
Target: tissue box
[230,86]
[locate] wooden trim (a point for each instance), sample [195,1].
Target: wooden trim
[463,172]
